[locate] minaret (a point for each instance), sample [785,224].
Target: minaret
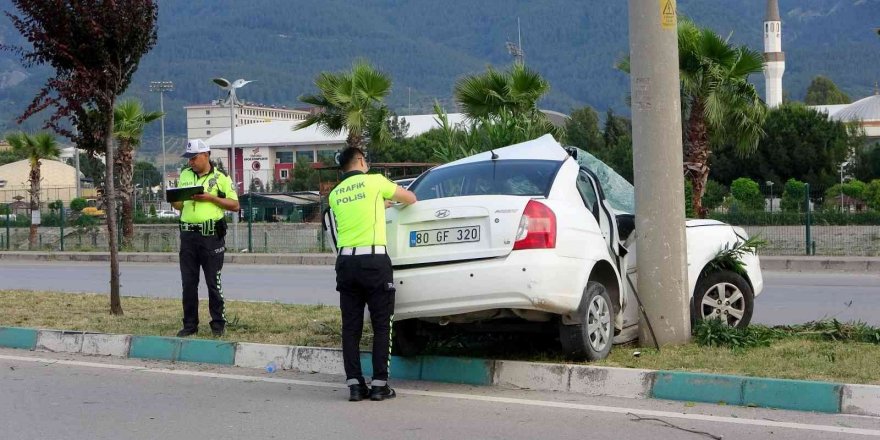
[774,58]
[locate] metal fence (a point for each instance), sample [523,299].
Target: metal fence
[817,222]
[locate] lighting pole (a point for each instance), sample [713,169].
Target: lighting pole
[76,161]
[232,101]
[770,184]
[842,166]
[162,87]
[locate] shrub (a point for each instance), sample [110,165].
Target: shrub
[793,196]
[78,204]
[747,195]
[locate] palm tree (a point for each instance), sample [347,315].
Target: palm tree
[720,106]
[35,148]
[352,101]
[129,122]
[516,91]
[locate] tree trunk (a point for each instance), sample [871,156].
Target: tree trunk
[355,140]
[110,194]
[35,202]
[696,156]
[125,168]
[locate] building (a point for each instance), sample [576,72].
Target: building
[266,152]
[865,112]
[58,182]
[206,120]
[774,57]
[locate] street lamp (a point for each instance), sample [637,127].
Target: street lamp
[231,101]
[770,184]
[162,87]
[842,166]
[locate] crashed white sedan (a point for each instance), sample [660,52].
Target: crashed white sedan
[534,234]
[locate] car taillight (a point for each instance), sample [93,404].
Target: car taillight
[537,228]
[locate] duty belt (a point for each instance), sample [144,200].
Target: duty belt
[207,227]
[362,250]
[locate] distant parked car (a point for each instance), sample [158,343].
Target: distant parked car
[167,214]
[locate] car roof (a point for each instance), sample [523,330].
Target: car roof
[542,148]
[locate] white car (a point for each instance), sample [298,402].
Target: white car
[167,214]
[529,234]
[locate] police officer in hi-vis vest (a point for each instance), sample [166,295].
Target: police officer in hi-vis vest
[202,236]
[363,269]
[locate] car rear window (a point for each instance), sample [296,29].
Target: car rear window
[499,177]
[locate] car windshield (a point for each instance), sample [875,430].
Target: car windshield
[498,177]
[618,191]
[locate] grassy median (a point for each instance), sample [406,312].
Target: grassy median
[788,354]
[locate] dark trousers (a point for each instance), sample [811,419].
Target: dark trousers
[205,252]
[365,280]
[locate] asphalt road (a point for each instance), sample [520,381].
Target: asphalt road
[55,396]
[788,297]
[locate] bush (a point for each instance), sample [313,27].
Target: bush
[78,204]
[714,195]
[793,196]
[747,195]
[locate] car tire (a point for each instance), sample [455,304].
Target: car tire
[723,294]
[406,340]
[592,339]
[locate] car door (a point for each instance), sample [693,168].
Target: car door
[594,199]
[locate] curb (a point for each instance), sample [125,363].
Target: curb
[768,263]
[598,381]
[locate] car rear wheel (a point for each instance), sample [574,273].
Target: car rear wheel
[406,339]
[723,295]
[591,338]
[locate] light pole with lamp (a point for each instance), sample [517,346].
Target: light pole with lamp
[842,166]
[770,184]
[162,87]
[232,101]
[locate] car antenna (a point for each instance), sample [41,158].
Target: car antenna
[494,155]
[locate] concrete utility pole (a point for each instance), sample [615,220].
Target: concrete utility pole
[657,162]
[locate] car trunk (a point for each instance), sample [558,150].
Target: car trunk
[451,229]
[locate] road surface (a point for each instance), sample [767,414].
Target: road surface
[55,396]
[788,297]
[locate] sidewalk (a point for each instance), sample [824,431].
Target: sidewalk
[768,263]
[584,379]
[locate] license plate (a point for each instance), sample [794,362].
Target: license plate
[433,237]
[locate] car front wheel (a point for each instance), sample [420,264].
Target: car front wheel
[723,295]
[591,338]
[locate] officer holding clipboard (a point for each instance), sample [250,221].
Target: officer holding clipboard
[202,235]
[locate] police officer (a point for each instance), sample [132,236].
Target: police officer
[363,269]
[202,236]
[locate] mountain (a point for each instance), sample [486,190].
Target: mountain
[426,45]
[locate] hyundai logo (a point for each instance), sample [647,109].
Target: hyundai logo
[442,213]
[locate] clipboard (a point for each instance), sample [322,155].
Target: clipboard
[183,194]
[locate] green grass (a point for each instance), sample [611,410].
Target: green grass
[818,351]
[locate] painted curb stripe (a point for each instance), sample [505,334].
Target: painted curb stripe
[458,370]
[184,350]
[16,337]
[698,387]
[792,394]
[797,395]
[406,368]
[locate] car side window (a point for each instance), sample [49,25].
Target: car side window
[588,194]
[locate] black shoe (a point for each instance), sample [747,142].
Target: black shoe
[218,331]
[382,393]
[358,392]
[187,331]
